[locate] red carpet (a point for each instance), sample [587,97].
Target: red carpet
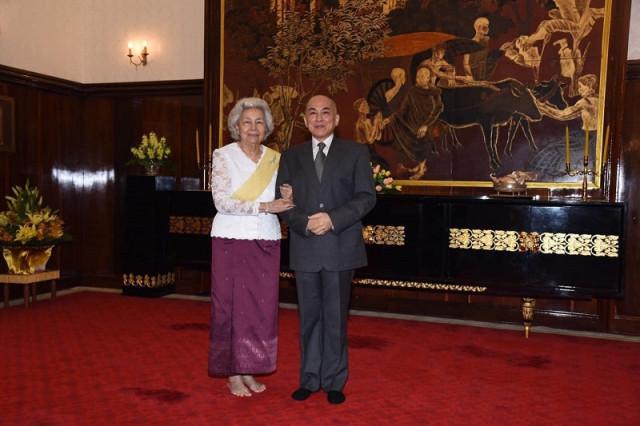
[93,358]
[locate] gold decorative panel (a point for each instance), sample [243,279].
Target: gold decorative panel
[529,241]
[420,284]
[372,234]
[545,242]
[150,281]
[383,235]
[190,225]
[409,284]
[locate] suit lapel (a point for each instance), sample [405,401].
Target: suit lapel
[332,163]
[306,161]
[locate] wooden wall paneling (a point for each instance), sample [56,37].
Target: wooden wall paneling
[127,124]
[161,115]
[614,113]
[97,187]
[47,131]
[625,313]
[59,132]
[176,118]
[191,116]
[212,34]
[73,140]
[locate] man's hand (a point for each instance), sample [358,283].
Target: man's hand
[286,191]
[319,223]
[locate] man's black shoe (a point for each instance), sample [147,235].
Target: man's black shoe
[301,394]
[335,397]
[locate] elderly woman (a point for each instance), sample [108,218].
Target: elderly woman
[245,255]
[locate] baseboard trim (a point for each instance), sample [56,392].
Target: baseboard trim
[373,314]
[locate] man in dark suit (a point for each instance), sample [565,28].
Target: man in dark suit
[332,190]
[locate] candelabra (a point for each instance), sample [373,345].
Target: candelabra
[205,167]
[585,173]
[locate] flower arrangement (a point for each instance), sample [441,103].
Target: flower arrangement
[151,153]
[383,181]
[27,222]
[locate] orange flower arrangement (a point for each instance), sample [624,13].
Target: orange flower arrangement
[27,222]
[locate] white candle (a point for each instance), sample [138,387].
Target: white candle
[567,149]
[197,148]
[586,143]
[210,139]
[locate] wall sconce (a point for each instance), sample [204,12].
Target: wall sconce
[141,58]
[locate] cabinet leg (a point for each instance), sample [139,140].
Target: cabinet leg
[53,289]
[6,295]
[528,308]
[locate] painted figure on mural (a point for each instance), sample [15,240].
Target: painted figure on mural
[410,125]
[367,130]
[386,97]
[586,108]
[481,64]
[568,60]
[443,74]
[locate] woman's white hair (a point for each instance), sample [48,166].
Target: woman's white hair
[242,105]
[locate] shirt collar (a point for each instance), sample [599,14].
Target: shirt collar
[327,143]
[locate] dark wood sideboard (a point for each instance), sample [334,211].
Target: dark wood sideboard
[506,246]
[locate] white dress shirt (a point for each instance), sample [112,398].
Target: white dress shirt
[241,220]
[327,143]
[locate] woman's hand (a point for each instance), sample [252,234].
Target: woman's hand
[286,191]
[280,205]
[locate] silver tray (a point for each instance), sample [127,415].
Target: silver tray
[510,187]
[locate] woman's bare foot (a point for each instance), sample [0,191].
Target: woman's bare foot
[253,384]
[237,387]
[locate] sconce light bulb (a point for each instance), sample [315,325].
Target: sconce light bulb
[140,58]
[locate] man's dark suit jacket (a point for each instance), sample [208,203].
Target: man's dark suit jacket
[346,193]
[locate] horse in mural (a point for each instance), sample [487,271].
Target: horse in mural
[549,91]
[489,106]
[503,103]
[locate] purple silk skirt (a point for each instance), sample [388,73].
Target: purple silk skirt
[244,306]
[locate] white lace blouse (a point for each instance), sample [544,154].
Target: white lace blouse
[237,219]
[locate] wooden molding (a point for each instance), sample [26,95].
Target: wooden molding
[38,81]
[633,70]
[146,88]
[59,85]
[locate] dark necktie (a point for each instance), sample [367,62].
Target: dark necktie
[319,161]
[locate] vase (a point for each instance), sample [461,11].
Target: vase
[26,260]
[152,169]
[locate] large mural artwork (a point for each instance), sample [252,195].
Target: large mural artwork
[443,92]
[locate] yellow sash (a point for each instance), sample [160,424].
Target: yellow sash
[258,181]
